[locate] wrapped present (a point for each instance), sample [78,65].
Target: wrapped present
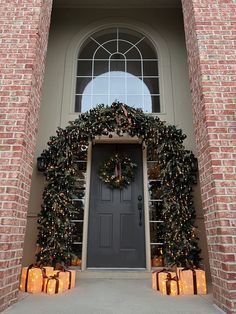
[170,286]
[71,274]
[53,285]
[67,275]
[32,279]
[63,277]
[193,281]
[158,276]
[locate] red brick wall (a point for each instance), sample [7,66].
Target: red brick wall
[210,27]
[23,43]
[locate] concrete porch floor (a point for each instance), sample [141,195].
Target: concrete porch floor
[112,296]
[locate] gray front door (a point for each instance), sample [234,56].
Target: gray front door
[116,230]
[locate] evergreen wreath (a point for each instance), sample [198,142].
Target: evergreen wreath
[178,232]
[118,171]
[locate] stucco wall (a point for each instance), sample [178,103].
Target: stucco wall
[165,28]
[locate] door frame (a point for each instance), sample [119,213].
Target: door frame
[126,139]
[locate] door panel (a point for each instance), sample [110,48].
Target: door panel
[105,230]
[115,237]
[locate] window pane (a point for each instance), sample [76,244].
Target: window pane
[147,49]
[77,103]
[78,232]
[83,85]
[150,68]
[133,54]
[135,86]
[155,236]
[101,53]
[135,101]
[155,210]
[99,99]
[100,67]
[134,67]
[123,46]
[105,35]
[147,103]
[77,250]
[116,74]
[110,46]
[118,98]
[156,250]
[152,84]
[84,68]
[86,103]
[156,104]
[117,86]
[117,65]
[86,52]
[79,215]
[100,85]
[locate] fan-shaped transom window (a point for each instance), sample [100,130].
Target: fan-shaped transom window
[117,65]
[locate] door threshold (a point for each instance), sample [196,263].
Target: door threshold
[115,269]
[115,273]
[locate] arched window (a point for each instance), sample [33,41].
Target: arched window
[117,65]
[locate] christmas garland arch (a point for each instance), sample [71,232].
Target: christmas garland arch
[176,167]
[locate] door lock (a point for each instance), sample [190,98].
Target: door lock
[140,209]
[140,198]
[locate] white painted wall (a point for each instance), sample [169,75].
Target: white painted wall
[69,28]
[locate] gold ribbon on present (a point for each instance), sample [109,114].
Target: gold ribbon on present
[193,269]
[168,284]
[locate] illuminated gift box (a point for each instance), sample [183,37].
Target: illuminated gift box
[155,280]
[71,274]
[63,277]
[159,276]
[68,276]
[31,279]
[193,281]
[53,285]
[170,285]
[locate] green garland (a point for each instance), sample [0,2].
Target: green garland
[178,232]
[117,171]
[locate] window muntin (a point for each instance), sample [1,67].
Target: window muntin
[117,65]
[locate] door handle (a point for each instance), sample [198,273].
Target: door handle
[140,209]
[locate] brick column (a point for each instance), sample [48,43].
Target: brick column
[210,27]
[23,44]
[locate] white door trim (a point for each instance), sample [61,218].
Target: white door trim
[128,139]
[86,207]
